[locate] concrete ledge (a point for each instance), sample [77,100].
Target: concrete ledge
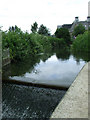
[75,102]
[6,57]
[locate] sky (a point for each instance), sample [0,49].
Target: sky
[50,13]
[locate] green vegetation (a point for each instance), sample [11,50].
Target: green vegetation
[22,44]
[19,43]
[82,43]
[80,29]
[89,28]
[63,33]
[34,27]
[43,30]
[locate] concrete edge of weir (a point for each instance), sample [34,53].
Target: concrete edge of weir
[42,85]
[74,104]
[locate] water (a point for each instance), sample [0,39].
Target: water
[52,71]
[55,68]
[29,102]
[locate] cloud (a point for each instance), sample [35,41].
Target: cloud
[47,12]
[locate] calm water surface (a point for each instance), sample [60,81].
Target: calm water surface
[56,71]
[52,71]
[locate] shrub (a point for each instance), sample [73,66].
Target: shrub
[22,44]
[80,29]
[63,33]
[82,42]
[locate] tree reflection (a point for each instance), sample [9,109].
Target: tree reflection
[20,68]
[81,55]
[63,54]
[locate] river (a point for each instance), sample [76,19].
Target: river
[55,68]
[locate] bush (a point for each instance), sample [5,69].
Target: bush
[80,29]
[82,42]
[63,33]
[22,44]
[57,43]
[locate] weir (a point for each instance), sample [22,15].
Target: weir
[36,84]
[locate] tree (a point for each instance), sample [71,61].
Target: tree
[82,43]
[14,29]
[89,28]
[43,30]
[34,27]
[63,33]
[80,29]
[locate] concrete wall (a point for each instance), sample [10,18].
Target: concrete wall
[75,102]
[5,57]
[0,51]
[0,75]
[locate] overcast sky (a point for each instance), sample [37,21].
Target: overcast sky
[51,13]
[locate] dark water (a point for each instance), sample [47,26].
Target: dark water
[29,102]
[58,68]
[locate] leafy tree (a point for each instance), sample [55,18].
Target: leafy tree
[34,27]
[12,29]
[82,43]
[80,29]
[43,30]
[89,28]
[15,29]
[22,44]
[63,33]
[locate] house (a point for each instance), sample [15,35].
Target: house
[76,22]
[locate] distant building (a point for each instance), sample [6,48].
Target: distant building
[76,22]
[59,26]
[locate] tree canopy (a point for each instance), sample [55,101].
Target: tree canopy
[82,43]
[80,29]
[14,29]
[43,30]
[63,33]
[34,27]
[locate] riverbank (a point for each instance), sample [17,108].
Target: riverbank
[75,102]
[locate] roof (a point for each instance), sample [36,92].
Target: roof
[68,26]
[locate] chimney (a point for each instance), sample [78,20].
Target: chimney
[88,19]
[76,19]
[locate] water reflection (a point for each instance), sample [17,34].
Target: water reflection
[55,68]
[62,54]
[81,56]
[54,71]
